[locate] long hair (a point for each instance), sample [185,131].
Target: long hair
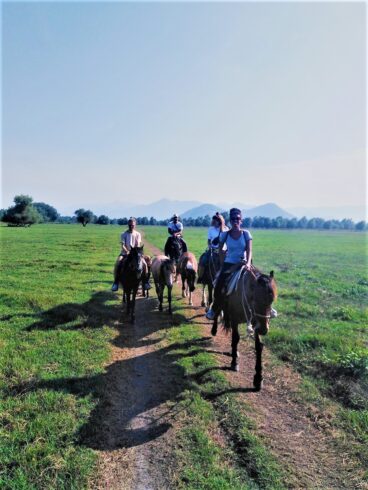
[220,219]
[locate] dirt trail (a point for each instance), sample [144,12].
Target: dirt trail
[137,418]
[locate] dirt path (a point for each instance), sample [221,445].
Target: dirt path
[137,418]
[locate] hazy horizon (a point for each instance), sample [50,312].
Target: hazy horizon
[132,102]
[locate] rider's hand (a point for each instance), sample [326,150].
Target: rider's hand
[248,266]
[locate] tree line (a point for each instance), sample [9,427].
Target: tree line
[25,212]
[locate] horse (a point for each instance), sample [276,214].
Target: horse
[174,248]
[163,271]
[211,267]
[187,268]
[145,292]
[250,300]
[130,277]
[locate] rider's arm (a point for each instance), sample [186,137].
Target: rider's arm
[248,249]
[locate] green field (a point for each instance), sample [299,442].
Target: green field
[58,316]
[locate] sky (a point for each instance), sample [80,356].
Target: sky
[134,102]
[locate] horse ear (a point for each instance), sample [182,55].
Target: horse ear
[271,274]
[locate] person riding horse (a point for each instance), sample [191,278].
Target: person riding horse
[213,238]
[239,252]
[131,238]
[175,244]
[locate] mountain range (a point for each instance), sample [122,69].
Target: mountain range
[165,208]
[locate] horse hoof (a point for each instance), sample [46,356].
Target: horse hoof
[235,366]
[190,303]
[214,331]
[258,384]
[203,304]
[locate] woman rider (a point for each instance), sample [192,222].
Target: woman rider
[239,250]
[213,238]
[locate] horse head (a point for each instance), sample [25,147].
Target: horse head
[135,260]
[176,249]
[264,293]
[168,269]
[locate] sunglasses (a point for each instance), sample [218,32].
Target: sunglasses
[237,218]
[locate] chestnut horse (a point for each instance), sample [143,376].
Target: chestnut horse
[187,268]
[132,274]
[251,300]
[163,271]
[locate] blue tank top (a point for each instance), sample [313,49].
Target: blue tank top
[236,248]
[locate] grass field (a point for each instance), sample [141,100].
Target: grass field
[322,328]
[57,317]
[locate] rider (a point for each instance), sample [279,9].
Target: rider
[131,238]
[175,229]
[213,238]
[239,251]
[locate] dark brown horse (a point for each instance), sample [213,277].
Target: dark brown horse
[145,292]
[250,301]
[163,272]
[210,269]
[187,268]
[132,274]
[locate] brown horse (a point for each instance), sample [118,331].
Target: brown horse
[132,273]
[210,269]
[145,292]
[163,272]
[251,300]
[187,268]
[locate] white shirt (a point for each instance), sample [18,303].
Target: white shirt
[175,227]
[213,233]
[131,239]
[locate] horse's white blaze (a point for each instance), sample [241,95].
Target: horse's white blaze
[190,266]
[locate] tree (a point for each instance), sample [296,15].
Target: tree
[84,216]
[23,213]
[47,212]
[103,220]
[361,225]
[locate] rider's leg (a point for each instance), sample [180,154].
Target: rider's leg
[184,245]
[145,282]
[216,305]
[167,246]
[117,270]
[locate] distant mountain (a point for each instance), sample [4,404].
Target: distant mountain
[162,209]
[199,211]
[356,213]
[269,210]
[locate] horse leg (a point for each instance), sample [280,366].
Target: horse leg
[234,347]
[183,292]
[132,313]
[214,327]
[169,298]
[127,296]
[210,296]
[203,303]
[258,379]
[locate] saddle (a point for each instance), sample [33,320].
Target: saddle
[232,278]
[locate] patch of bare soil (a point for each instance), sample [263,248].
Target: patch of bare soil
[133,425]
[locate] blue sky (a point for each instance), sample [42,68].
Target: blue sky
[132,102]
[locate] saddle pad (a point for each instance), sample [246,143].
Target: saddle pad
[234,280]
